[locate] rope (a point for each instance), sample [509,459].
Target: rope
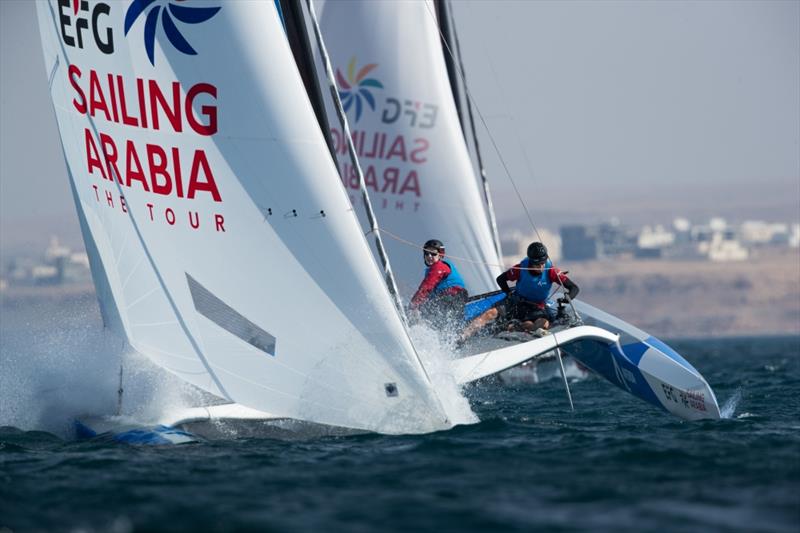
[464,259]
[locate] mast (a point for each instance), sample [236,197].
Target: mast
[446,29]
[452,49]
[291,12]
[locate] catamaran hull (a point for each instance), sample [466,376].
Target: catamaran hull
[650,374]
[628,357]
[645,367]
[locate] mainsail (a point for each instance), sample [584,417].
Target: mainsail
[393,82]
[220,233]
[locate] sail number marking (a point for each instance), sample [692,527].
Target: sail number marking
[688,399]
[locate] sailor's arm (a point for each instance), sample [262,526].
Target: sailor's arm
[512,274]
[571,288]
[502,282]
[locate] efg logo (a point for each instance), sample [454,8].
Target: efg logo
[166,11]
[77,17]
[357,87]
[356,90]
[77,13]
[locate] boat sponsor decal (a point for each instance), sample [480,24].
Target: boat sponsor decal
[357,88]
[624,376]
[167,11]
[688,399]
[393,164]
[81,24]
[130,116]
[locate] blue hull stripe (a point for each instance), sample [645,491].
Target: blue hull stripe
[616,366]
[158,435]
[474,309]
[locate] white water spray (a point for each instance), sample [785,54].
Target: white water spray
[58,363]
[729,407]
[436,354]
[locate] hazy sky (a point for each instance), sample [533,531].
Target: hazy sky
[641,109]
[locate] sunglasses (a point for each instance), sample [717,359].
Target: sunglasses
[426,253]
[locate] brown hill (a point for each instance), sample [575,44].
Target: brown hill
[698,298]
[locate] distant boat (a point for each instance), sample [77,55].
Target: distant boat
[222,243]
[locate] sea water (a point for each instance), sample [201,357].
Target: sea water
[528,463]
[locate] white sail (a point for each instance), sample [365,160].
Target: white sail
[393,82]
[230,248]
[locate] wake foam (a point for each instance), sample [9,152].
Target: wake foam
[436,353]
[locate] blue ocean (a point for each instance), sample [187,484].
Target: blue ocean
[530,463]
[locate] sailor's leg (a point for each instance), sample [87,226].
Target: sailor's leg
[490,315]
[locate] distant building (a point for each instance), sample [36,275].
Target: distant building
[720,242]
[614,240]
[61,266]
[758,232]
[722,248]
[652,241]
[578,243]
[609,239]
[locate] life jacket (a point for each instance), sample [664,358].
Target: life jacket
[532,287]
[453,279]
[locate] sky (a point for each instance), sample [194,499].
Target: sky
[641,110]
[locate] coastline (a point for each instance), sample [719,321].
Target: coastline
[673,299]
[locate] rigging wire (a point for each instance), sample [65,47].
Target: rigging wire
[464,259]
[471,99]
[489,207]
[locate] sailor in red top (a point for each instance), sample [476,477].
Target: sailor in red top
[441,296]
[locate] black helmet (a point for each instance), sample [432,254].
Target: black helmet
[537,252]
[434,244]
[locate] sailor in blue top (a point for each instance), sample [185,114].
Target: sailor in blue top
[528,303]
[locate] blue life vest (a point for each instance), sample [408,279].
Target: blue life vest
[452,280]
[532,287]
